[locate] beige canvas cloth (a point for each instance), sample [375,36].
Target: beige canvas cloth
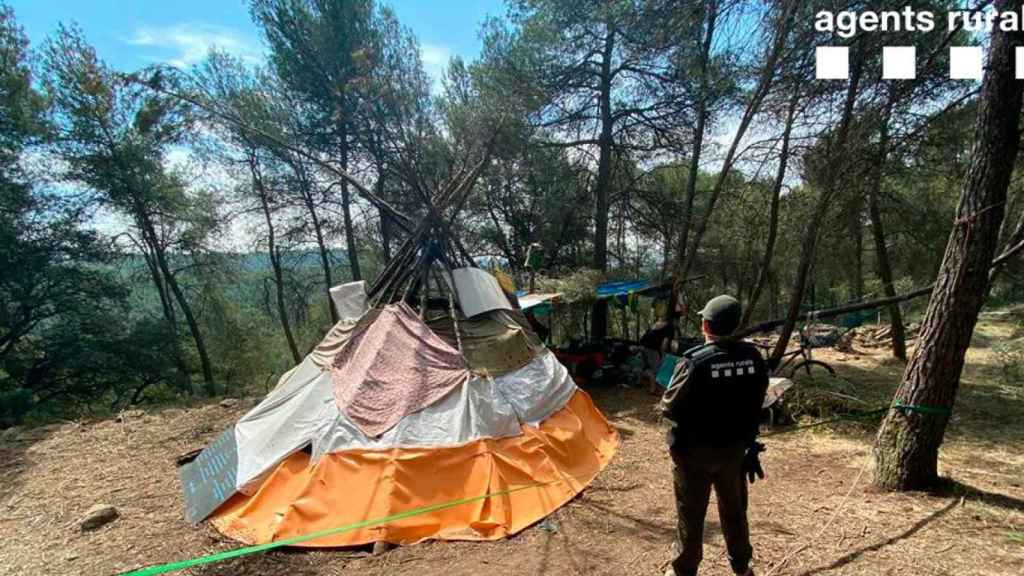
[391,366]
[324,352]
[494,343]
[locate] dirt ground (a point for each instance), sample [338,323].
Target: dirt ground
[623,524]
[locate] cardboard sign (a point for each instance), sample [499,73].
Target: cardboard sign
[209,480]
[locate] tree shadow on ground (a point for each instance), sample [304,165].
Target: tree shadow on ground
[581,559]
[955,488]
[983,412]
[654,528]
[908,533]
[14,459]
[645,524]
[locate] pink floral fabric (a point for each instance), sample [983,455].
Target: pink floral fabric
[391,367]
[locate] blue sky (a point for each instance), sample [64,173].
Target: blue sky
[129,34]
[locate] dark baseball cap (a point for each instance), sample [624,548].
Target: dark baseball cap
[723,314]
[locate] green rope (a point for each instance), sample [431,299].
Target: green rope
[922,409]
[852,416]
[181,565]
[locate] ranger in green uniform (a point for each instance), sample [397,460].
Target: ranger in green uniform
[714,405]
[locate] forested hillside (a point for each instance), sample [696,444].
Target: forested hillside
[172,232]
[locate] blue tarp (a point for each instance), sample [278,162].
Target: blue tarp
[621,288]
[612,289]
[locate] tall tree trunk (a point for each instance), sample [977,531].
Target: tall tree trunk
[899,345]
[346,214]
[698,136]
[599,320]
[666,254]
[385,226]
[275,264]
[186,308]
[773,212]
[767,77]
[1014,240]
[168,309]
[907,446]
[810,239]
[321,245]
[858,246]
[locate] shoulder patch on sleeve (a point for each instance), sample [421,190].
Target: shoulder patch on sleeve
[690,352]
[704,353]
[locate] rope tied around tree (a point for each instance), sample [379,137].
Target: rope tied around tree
[922,409]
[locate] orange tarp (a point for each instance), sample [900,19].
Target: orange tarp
[571,447]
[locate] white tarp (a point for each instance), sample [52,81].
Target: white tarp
[478,291]
[531,300]
[537,390]
[349,300]
[284,422]
[776,388]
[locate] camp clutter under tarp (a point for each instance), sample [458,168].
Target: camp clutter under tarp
[430,389]
[619,291]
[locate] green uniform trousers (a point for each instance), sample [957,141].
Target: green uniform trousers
[698,468]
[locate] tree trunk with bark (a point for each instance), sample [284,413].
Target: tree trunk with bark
[698,136]
[773,212]
[907,446]
[765,81]
[275,261]
[599,320]
[810,239]
[309,203]
[385,226]
[1014,242]
[346,215]
[168,309]
[899,345]
[186,308]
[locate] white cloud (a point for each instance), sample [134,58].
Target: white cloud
[189,43]
[435,59]
[434,55]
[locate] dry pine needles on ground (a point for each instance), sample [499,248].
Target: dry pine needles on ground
[622,525]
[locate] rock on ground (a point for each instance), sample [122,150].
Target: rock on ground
[97,516]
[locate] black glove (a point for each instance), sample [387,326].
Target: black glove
[752,464]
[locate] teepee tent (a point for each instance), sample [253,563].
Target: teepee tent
[431,388]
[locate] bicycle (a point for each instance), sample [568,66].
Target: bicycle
[802,357]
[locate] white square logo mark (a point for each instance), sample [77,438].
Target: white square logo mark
[965,62]
[832,63]
[899,62]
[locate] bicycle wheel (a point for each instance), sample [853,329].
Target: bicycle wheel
[808,364]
